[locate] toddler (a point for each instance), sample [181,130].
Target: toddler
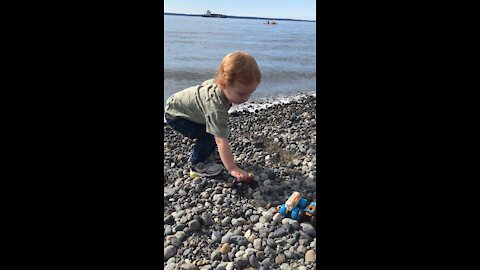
[201,112]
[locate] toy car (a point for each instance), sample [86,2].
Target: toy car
[291,208]
[309,213]
[298,208]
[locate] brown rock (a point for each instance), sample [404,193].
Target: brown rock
[225,249]
[202,262]
[188,266]
[310,256]
[273,210]
[252,238]
[280,259]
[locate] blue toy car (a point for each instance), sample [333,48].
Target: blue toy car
[298,208]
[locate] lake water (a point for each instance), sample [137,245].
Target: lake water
[285,53]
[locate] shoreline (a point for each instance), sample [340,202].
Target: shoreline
[267,102]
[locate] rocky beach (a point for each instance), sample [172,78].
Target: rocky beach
[210,224]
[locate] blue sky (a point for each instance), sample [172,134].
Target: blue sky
[290,9]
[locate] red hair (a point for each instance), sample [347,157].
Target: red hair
[239,66]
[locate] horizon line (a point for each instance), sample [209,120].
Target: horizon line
[242,17]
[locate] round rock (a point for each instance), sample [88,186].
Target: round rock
[254,261]
[169,251]
[225,248]
[280,259]
[310,256]
[194,225]
[257,244]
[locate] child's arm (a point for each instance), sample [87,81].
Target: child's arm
[227,159]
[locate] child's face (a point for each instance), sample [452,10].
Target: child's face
[238,93]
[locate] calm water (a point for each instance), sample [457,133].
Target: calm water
[285,53]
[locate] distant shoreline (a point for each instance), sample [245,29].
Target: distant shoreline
[240,17]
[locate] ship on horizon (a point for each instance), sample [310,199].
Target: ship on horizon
[208,14]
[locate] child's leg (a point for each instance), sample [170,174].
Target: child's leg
[205,141]
[203,148]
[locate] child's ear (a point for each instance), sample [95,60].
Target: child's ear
[221,84]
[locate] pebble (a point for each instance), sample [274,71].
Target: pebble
[277,218]
[280,232]
[170,266]
[239,253]
[249,252]
[226,221]
[216,236]
[207,218]
[287,220]
[226,237]
[268,215]
[239,240]
[301,249]
[168,219]
[240,263]
[310,256]
[271,243]
[308,229]
[267,262]
[177,243]
[216,255]
[168,230]
[260,255]
[236,222]
[194,225]
[238,231]
[189,266]
[225,248]
[254,218]
[254,261]
[257,244]
[169,251]
[280,259]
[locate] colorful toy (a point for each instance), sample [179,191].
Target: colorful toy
[309,213]
[299,209]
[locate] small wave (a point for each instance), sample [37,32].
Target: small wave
[265,103]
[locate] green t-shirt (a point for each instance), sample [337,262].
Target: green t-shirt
[202,104]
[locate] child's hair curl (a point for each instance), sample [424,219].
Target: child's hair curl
[239,66]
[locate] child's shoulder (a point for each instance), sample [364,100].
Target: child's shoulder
[208,82]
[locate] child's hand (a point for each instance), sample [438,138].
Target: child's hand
[240,174]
